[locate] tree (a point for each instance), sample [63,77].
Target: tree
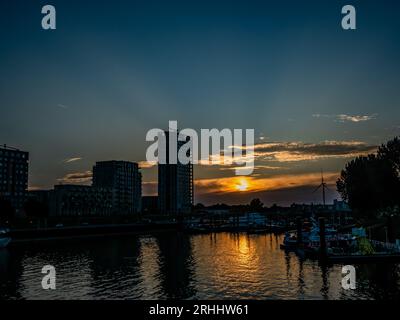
[371,183]
[256,205]
[391,152]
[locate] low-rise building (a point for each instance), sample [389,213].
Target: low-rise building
[149,204]
[78,200]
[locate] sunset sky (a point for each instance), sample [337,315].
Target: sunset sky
[316,95]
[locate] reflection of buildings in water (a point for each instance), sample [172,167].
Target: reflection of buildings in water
[287,264]
[385,276]
[379,281]
[301,282]
[213,237]
[234,237]
[4,260]
[173,265]
[115,267]
[150,269]
[10,273]
[238,265]
[325,280]
[112,254]
[176,265]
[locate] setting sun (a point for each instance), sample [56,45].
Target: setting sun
[242,185]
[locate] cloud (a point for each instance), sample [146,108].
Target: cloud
[268,154]
[301,151]
[62,106]
[347,118]
[69,160]
[260,167]
[34,188]
[76,177]
[150,188]
[147,164]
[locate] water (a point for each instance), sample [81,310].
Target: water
[180,266]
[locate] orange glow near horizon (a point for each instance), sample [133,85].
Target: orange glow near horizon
[242,185]
[253,184]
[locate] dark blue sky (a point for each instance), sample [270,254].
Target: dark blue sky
[115,69]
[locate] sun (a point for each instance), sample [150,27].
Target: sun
[242,185]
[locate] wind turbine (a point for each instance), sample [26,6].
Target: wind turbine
[324,186]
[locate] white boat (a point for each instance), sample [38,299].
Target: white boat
[4,238]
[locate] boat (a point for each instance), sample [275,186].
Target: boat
[4,238]
[309,246]
[335,242]
[291,242]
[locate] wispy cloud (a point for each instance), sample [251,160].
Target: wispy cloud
[69,160]
[301,151]
[34,188]
[147,164]
[76,177]
[256,168]
[346,117]
[62,106]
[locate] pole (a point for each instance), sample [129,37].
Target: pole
[322,240]
[299,224]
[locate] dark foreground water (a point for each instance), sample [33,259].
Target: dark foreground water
[164,266]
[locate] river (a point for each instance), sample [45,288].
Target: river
[181,266]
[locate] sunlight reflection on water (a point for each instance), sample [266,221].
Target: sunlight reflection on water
[170,265]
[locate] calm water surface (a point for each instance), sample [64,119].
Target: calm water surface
[180,266]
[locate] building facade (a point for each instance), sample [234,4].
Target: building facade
[14,166]
[149,204]
[80,201]
[124,180]
[175,185]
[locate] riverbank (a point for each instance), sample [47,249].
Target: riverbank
[76,232]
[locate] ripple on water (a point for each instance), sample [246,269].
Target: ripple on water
[217,266]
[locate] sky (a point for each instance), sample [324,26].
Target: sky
[316,95]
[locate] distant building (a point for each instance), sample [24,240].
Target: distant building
[124,180]
[76,200]
[42,196]
[175,185]
[336,206]
[14,176]
[149,204]
[340,205]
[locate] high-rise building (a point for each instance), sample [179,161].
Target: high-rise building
[149,204]
[14,176]
[124,180]
[175,184]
